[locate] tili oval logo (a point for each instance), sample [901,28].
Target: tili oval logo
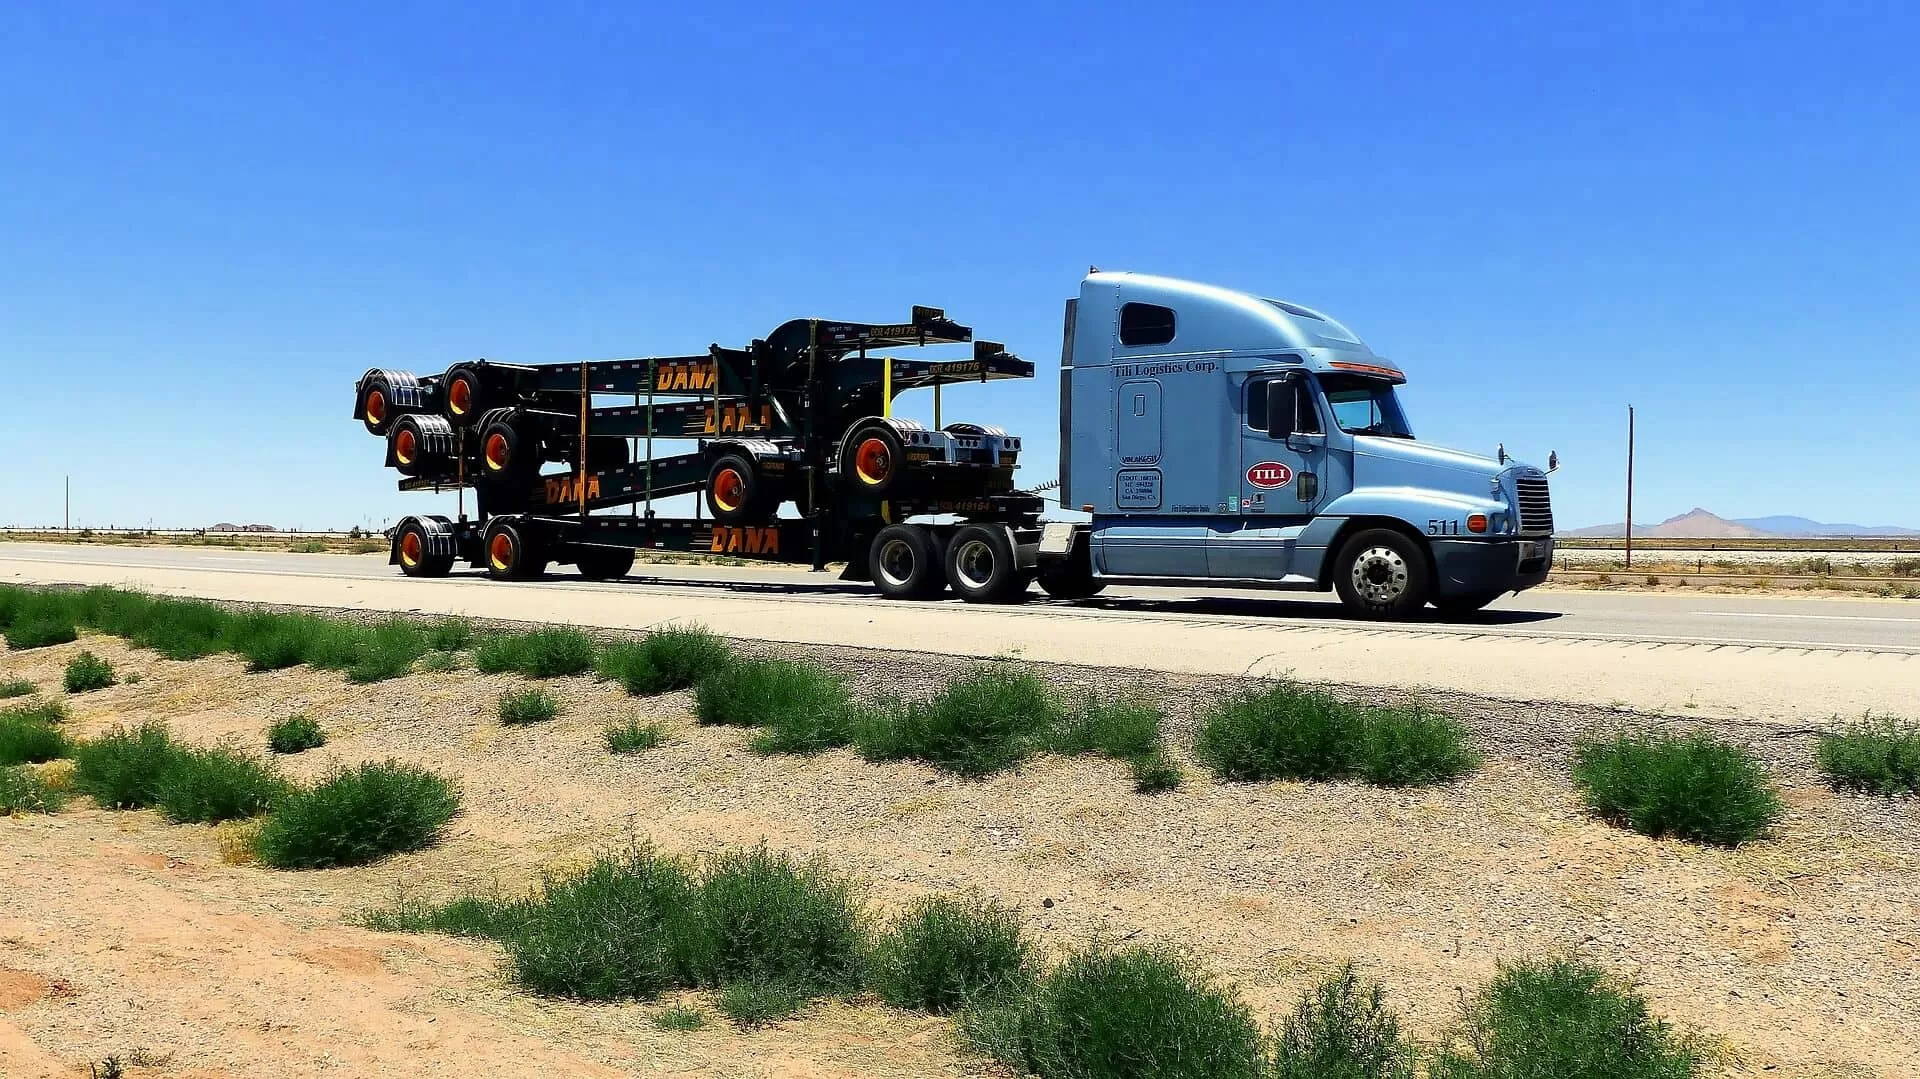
[1269,474]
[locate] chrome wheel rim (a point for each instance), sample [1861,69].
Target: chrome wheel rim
[897,562]
[1380,575]
[973,563]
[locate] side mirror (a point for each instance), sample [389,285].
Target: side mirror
[1280,408]
[1553,461]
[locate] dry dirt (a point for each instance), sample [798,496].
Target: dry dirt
[120,934]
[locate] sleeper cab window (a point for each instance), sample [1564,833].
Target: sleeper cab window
[1145,324]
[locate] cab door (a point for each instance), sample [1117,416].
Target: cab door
[1279,479]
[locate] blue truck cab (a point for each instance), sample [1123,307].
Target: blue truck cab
[1215,434]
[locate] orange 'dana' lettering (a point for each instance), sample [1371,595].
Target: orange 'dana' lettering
[673,377]
[751,540]
[564,489]
[736,418]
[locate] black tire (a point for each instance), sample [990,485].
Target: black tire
[872,460]
[905,563]
[1382,575]
[604,563]
[377,407]
[506,453]
[462,395]
[411,547]
[737,492]
[420,445]
[1071,578]
[981,567]
[511,554]
[1463,606]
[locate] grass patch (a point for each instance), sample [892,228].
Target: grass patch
[439,663]
[206,786]
[800,709]
[619,928]
[40,632]
[15,687]
[1561,1017]
[1876,756]
[1155,773]
[679,1018]
[1341,1029]
[519,706]
[470,916]
[986,720]
[358,816]
[296,734]
[766,918]
[756,1003]
[388,650]
[1121,1013]
[24,790]
[28,734]
[1692,786]
[86,672]
[542,653]
[944,952]
[122,768]
[307,547]
[449,635]
[1286,732]
[667,659]
[634,736]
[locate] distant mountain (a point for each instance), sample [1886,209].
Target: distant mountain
[1702,524]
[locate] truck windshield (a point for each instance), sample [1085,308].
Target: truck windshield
[1365,406]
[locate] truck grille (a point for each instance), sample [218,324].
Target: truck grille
[1535,504]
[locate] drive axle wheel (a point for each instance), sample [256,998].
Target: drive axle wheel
[511,555]
[904,563]
[1382,574]
[981,566]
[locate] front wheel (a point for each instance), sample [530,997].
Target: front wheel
[1382,575]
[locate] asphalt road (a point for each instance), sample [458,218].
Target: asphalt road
[1770,657]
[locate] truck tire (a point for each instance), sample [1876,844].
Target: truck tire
[463,395]
[411,547]
[981,566]
[419,444]
[737,492]
[385,396]
[1462,606]
[511,553]
[1382,574]
[505,452]
[905,563]
[1071,578]
[604,563]
[872,459]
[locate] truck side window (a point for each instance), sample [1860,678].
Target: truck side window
[1145,324]
[1306,418]
[1257,404]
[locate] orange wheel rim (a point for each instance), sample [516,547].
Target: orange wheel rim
[729,488]
[500,551]
[410,549]
[376,407]
[460,396]
[405,446]
[498,452]
[872,462]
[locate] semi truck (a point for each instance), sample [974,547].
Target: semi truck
[1207,435]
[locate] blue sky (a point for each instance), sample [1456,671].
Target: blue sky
[214,217]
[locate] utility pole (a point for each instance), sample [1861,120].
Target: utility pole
[1629,486]
[68,526]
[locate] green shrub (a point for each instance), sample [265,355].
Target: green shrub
[800,709]
[528,706]
[40,632]
[542,653]
[22,790]
[86,672]
[616,929]
[1286,732]
[388,650]
[680,1018]
[469,916]
[667,659]
[1562,1017]
[634,736]
[439,662]
[1877,756]
[449,635]
[1691,786]
[767,919]
[1155,773]
[335,646]
[16,687]
[122,768]
[1341,1029]
[270,642]
[296,734]
[175,628]
[309,546]
[756,1002]
[28,734]
[943,952]
[984,721]
[211,785]
[358,816]
[1119,729]
[1122,1013]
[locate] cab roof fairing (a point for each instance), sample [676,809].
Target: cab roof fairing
[1215,319]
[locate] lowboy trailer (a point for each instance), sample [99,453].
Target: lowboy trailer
[1208,435]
